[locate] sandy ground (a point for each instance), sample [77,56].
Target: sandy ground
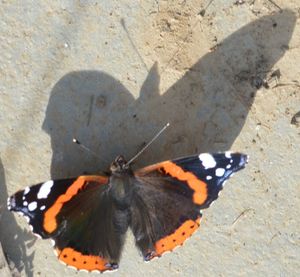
[112,73]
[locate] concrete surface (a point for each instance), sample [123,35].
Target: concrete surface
[4,268]
[112,73]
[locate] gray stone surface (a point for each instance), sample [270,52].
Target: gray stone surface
[112,73]
[4,269]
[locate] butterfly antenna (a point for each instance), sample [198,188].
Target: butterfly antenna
[84,147]
[149,143]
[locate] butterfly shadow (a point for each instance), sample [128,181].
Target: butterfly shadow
[11,234]
[207,107]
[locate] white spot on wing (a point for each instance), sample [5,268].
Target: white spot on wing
[228,154]
[8,203]
[97,271]
[27,189]
[220,172]
[207,160]
[208,177]
[55,252]
[228,166]
[25,203]
[45,189]
[42,208]
[32,206]
[62,262]
[37,235]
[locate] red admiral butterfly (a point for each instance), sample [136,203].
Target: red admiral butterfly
[87,217]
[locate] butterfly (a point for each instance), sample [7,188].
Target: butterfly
[87,217]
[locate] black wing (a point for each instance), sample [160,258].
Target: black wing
[169,197]
[79,215]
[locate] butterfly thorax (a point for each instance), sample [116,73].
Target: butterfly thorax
[121,181]
[120,166]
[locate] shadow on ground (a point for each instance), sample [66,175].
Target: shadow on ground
[12,234]
[207,107]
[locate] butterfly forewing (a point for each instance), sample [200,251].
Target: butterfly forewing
[213,170]
[33,202]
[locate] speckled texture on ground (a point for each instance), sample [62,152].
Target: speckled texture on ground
[112,73]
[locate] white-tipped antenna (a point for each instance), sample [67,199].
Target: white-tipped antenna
[149,143]
[84,147]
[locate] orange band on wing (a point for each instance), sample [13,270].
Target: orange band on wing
[50,223]
[168,243]
[88,262]
[198,186]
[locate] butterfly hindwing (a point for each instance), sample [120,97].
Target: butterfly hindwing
[78,215]
[162,217]
[93,231]
[170,195]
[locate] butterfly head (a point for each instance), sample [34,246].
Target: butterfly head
[119,165]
